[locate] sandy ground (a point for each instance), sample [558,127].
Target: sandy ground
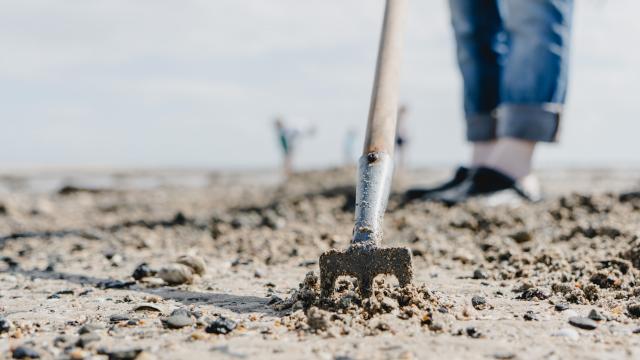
[491,282]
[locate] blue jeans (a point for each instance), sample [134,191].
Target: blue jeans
[513,56]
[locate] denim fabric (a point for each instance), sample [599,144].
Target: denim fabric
[513,56]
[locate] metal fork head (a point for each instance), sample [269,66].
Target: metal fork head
[364,263]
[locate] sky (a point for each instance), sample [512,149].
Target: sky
[196,83]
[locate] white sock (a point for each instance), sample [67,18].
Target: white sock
[512,156]
[481,151]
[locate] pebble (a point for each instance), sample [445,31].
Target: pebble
[86,339]
[596,315]
[636,331]
[148,307]
[176,274]
[506,355]
[145,356]
[530,316]
[62,341]
[472,332]
[114,284]
[583,323]
[479,302]
[120,354]
[77,354]
[143,270]
[480,274]
[534,293]
[561,306]
[194,262]
[152,281]
[5,325]
[634,310]
[221,325]
[24,352]
[118,318]
[90,327]
[179,318]
[521,237]
[568,333]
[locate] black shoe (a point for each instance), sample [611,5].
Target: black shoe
[421,193]
[485,181]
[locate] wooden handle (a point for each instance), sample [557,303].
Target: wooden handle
[381,128]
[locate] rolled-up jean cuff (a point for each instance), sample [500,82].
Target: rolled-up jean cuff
[481,127]
[535,122]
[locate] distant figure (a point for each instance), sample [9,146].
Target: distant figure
[401,137]
[288,137]
[349,152]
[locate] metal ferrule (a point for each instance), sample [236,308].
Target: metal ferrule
[372,192]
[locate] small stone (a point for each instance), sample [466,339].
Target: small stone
[86,339]
[634,310]
[521,237]
[221,325]
[258,274]
[567,333]
[472,332]
[194,262]
[152,281]
[479,302]
[480,274]
[583,323]
[114,284]
[25,352]
[77,354]
[120,354]
[530,316]
[596,315]
[143,270]
[90,327]
[533,294]
[176,274]
[148,307]
[5,325]
[62,341]
[179,318]
[118,318]
[561,306]
[504,355]
[146,356]
[273,221]
[636,331]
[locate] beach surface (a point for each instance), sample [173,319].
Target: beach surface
[232,264]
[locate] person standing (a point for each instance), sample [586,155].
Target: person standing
[288,137]
[402,139]
[513,56]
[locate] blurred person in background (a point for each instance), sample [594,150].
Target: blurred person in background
[288,138]
[402,139]
[349,153]
[513,56]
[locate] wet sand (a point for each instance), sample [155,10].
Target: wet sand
[498,281]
